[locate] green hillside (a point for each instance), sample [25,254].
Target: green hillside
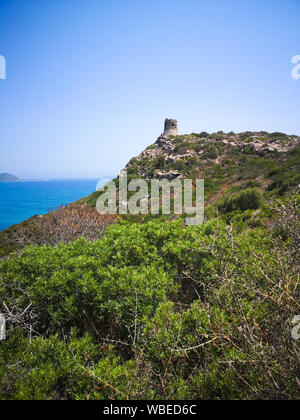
[144,307]
[227,162]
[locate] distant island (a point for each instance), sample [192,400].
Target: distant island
[4,177]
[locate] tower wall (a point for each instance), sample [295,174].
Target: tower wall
[170,127]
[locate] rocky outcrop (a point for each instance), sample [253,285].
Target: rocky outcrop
[171,157]
[170,175]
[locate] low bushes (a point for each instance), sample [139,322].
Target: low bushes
[152,310]
[249,199]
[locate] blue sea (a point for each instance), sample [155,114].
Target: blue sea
[21,200]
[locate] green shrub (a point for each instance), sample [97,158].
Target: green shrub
[211,153]
[182,147]
[201,135]
[251,184]
[192,161]
[249,199]
[159,162]
[156,310]
[198,147]
[179,164]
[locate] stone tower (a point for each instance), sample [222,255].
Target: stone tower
[170,128]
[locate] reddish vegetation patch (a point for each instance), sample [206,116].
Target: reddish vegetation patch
[63,225]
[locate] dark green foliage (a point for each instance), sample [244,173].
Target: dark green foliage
[159,162]
[285,175]
[198,147]
[211,153]
[179,165]
[201,135]
[248,150]
[182,147]
[251,184]
[248,199]
[245,135]
[192,161]
[48,368]
[169,299]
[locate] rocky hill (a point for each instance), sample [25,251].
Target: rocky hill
[227,161]
[180,156]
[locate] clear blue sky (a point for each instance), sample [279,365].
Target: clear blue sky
[89,82]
